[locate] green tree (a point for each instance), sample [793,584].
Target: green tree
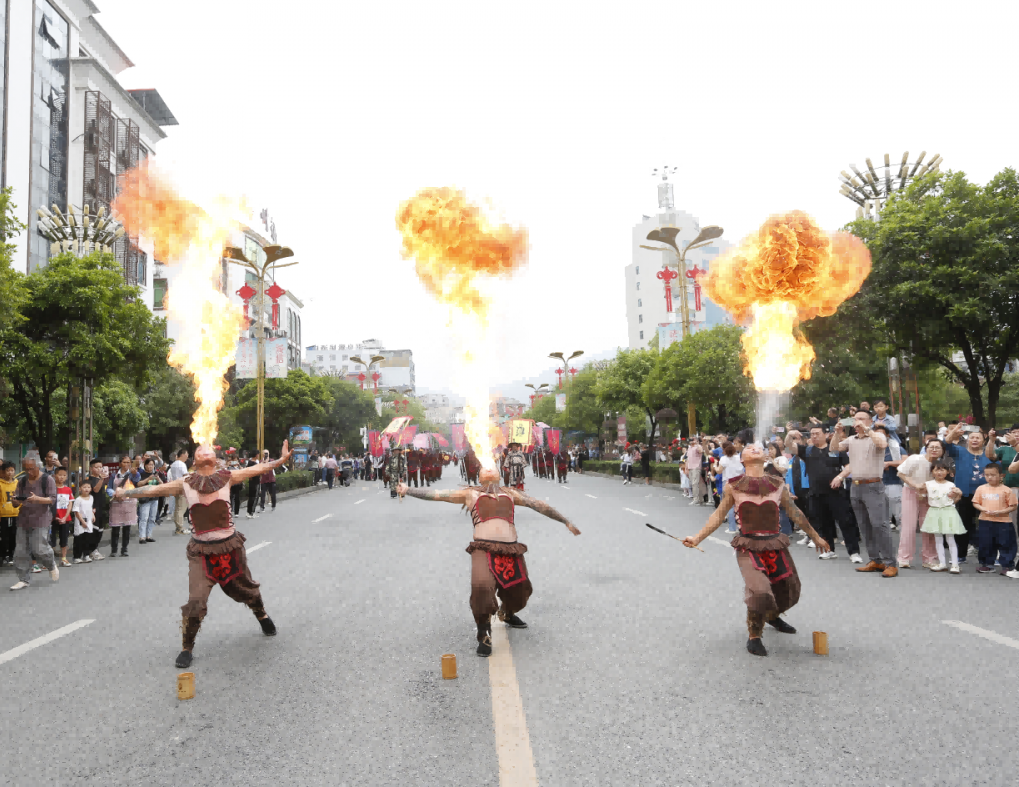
[80,318]
[583,410]
[294,400]
[946,277]
[12,288]
[117,415]
[622,385]
[706,368]
[169,404]
[350,409]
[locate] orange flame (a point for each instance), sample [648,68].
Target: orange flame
[456,251]
[185,234]
[789,271]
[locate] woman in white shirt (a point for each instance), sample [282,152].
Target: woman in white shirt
[626,466]
[915,472]
[731,467]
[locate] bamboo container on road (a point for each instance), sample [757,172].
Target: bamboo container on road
[448,666]
[821,643]
[186,686]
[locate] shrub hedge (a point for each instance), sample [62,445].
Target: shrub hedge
[295,479]
[659,472]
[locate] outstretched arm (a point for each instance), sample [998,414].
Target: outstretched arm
[236,476]
[715,520]
[440,495]
[541,507]
[793,512]
[169,489]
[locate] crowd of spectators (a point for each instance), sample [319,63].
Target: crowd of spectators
[855,478]
[45,506]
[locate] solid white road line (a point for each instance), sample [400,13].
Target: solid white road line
[315,521]
[991,635]
[21,650]
[359,502]
[638,513]
[591,496]
[512,744]
[249,550]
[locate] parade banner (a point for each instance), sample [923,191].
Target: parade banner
[407,436]
[246,359]
[275,359]
[459,438]
[538,434]
[621,429]
[397,424]
[422,441]
[521,431]
[553,440]
[442,441]
[375,444]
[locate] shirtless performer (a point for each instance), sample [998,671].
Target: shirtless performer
[497,558]
[772,585]
[216,551]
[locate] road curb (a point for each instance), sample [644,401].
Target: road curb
[662,484]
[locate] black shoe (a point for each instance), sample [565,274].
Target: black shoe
[512,620]
[113,554]
[485,646]
[150,541]
[780,625]
[184,659]
[756,647]
[123,554]
[268,627]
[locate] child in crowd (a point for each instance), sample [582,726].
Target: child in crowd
[942,519]
[61,526]
[83,519]
[995,533]
[8,514]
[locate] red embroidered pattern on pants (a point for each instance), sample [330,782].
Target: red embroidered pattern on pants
[220,565]
[770,560]
[505,566]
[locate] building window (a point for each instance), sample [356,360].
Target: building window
[639,303]
[640,318]
[345,357]
[642,334]
[332,357]
[321,358]
[638,285]
[158,293]
[638,270]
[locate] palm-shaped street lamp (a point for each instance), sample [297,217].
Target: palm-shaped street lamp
[561,357]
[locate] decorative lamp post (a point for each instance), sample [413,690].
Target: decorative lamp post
[82,237]
[870,191]
[361,376]
[667,235]
[561,357]
[272,256]
[375,359]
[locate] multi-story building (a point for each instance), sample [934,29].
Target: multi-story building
[504,408]
[437,408]
[69,127]
[396,368]
[646,309]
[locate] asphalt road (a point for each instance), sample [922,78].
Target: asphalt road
[633,669]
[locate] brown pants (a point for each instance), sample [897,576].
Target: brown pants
[484,590]
[241,588]
[766,601]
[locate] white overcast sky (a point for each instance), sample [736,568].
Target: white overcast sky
[331,113]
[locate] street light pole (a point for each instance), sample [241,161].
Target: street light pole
[272,254]
[667,235]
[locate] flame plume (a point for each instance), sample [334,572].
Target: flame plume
[457,252]
[788,271]
[186,235]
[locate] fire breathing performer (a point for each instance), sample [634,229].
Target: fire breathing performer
[216,554]
[772,585]
[498,570]
[515,463]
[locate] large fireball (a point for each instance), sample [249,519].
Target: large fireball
[788,271]
[457,250]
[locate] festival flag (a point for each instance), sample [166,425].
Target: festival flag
[459,438]
[521,431]
[553,440]
[407,436]
[375,443]
[397,424]
[423,441]
[539,434]
[442,441]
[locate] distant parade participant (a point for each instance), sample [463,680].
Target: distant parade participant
[515,464]
[771,584]
[562,466]
[216,553]
[472,466]
[534,462]
[396,470]
[498,570]
[413,462]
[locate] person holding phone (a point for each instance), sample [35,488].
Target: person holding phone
[34,497]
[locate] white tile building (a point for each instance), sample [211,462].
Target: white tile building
[397,369]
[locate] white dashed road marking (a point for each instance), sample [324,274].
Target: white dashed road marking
[249,550]
[638,513]
[359,502]
[21,650]
[512,744]
[314,521]
[591,496]
[991,635]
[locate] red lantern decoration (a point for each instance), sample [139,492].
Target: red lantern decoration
[667,275]
[275,292]
[694,273]
[559,374]
[361,378]
[375,378]
[247,292]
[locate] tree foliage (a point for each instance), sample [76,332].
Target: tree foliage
[169,403]
[622,385]
[79,319]
[946,277]
[294,400]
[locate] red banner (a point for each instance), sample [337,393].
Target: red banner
[459,438]
[553,440]
[442,441]
[375,444]
[407,436]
